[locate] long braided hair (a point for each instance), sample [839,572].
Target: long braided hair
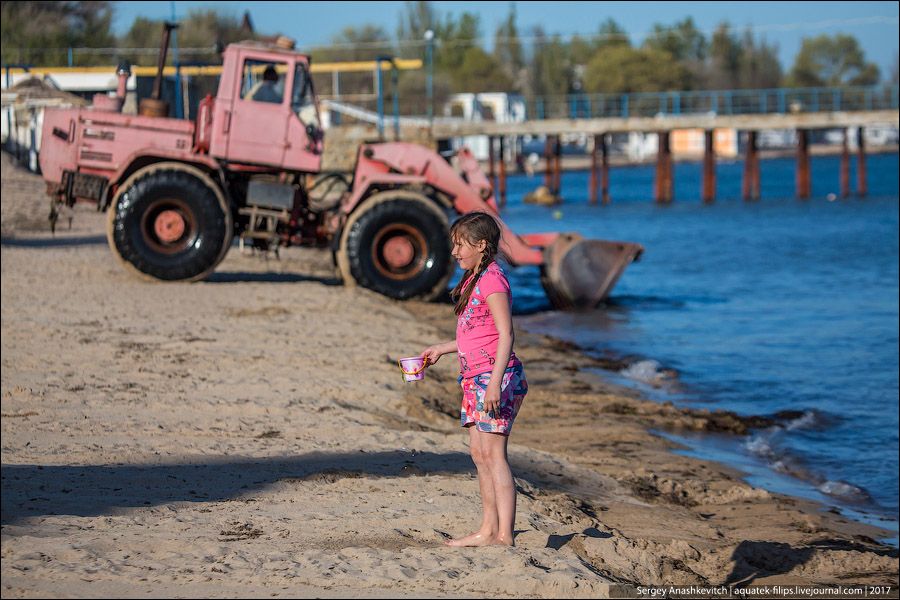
[473,228]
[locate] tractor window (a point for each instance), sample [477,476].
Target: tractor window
[303,100]
[263,81]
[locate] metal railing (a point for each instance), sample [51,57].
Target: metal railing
[721,102]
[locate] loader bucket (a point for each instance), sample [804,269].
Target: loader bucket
[579,273]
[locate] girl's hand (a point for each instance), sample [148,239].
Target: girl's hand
[492,397]
[431,354]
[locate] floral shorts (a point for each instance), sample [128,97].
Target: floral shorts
[512,393]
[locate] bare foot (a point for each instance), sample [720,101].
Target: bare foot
[475,539]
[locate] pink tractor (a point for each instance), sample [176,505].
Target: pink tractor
[177,192]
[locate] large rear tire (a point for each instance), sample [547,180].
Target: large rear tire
[170,221]
[397,244]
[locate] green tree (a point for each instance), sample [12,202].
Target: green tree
[683,41]
[199,29]
[625,70]
[508,50]
[832,61]
[459,56]
[418,18]
[724,59]
[453,37]
[551,65]
[686,44]
[581,50]
[366,42]
[39,33]
[758,64]
[480,72]
[610,34]
[460,63]
[745,63]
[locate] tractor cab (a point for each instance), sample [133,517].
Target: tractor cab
[265,112]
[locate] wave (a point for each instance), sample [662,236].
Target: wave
[810,419]
[845,491]
[765,445]
[649,371]
[760,447]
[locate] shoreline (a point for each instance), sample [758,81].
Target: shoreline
[251,435]
[721,435]
[667,479]
[677,421]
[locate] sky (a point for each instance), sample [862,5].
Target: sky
[874,24]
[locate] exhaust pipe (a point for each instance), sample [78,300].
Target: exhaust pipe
[154,106]
[123,72]
[114,103]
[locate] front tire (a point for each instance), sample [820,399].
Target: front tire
[170,222]
[397,244]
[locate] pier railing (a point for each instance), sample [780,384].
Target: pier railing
[720,102]
[493,108]
[772,101]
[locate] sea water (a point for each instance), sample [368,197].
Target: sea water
[754,307]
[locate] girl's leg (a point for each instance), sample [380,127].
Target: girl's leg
[486,534]
[494,448]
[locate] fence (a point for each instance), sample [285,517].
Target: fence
[723,102]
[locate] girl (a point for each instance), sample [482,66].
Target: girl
[492,378]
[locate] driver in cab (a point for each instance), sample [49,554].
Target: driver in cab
[267,90]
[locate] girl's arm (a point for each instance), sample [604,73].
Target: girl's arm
[499,304]
[435,352]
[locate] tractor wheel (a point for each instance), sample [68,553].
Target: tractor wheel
[169,221]
[397,244]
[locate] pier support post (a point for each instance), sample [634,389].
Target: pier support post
[592,180]
[845,165]
[861,185]
[557,166]
[599,161]
[663,170]
[604,169]
[548,163]
[709,169]
[502,171]
[750,183]
[491,162]
[802,163]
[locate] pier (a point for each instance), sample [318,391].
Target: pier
[746,113]
[663,126]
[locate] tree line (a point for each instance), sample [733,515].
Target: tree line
[534,63]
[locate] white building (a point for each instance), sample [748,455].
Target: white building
[23,116]
[489,106]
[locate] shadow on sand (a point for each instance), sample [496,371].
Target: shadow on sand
[53,242]
[91,490]
[266,277]
[754,559]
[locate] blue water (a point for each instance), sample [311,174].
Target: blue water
[780,304]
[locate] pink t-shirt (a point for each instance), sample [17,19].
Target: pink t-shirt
[476,334]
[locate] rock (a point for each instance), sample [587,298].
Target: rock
[541,195]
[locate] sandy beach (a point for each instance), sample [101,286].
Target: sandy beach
[251,436]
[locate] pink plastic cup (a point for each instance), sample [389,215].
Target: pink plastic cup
[413,368]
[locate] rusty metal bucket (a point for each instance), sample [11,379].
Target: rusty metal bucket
[579,273]
[152,107]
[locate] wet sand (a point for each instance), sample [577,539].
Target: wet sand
[251,436]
